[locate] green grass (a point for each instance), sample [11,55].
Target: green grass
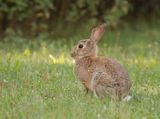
[37,80]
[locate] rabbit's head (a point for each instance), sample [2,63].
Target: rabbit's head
[87,47]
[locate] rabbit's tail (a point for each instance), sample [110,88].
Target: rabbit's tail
[127,98]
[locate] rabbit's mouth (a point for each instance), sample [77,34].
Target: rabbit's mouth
[72,54]
[75,55]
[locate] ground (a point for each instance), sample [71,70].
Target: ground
[37,80]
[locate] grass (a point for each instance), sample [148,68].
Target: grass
[37,81]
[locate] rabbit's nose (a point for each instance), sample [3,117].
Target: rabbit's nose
[72,54]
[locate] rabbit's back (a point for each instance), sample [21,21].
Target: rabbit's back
[114,78]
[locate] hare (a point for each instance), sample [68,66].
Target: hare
[103,76]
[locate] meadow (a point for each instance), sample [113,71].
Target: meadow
[37,80]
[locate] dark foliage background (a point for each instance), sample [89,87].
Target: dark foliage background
[29,17]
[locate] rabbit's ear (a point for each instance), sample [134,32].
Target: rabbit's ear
[97,32]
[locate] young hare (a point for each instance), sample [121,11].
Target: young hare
[103,76]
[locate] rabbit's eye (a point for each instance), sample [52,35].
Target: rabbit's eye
[80,46]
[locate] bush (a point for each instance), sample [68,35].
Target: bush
[40,15]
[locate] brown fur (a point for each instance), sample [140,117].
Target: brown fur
[103,76]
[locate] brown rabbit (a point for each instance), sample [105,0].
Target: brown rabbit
[103,76]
